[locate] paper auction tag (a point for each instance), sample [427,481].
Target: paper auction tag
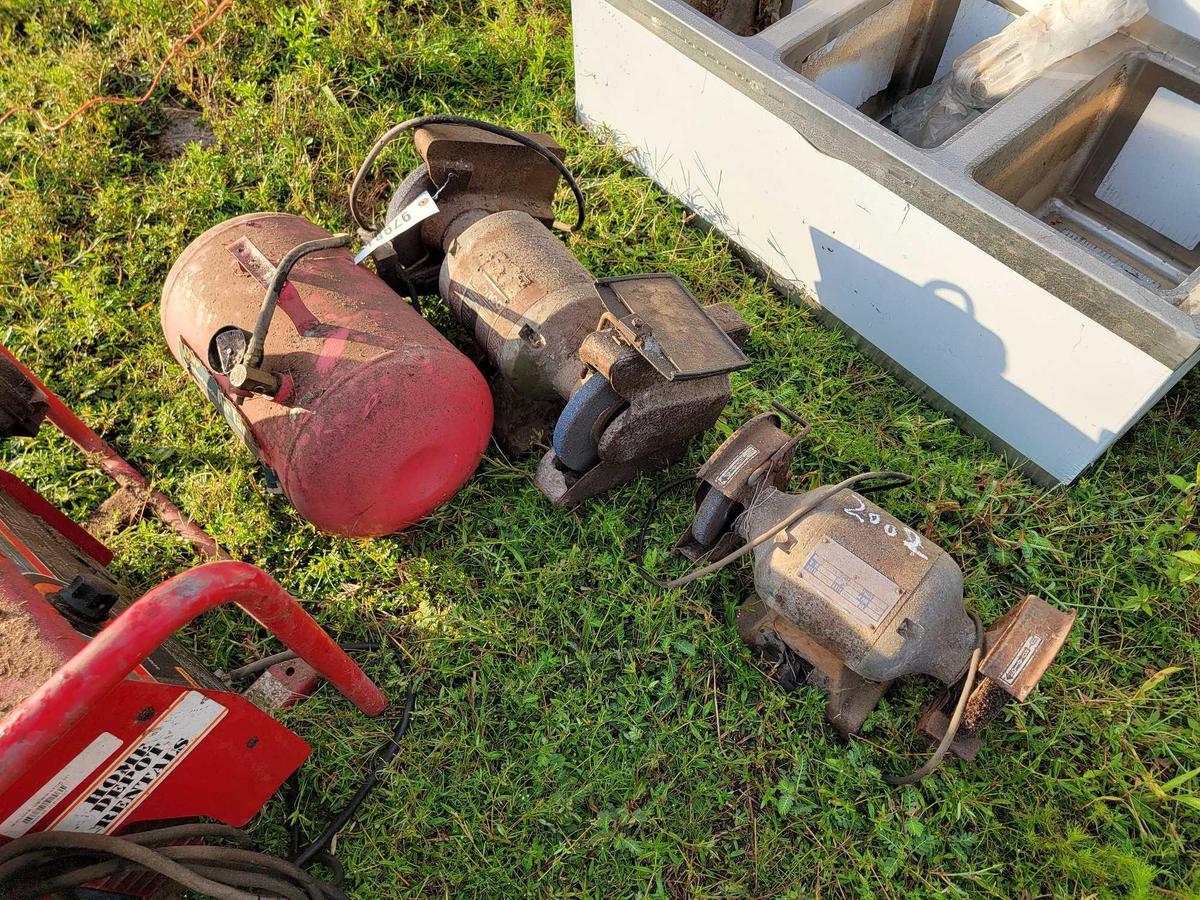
[417,211]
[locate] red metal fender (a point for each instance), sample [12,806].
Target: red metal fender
[83,681]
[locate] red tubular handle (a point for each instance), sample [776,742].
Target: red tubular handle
[81,683]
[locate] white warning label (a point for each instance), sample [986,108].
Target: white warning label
[133,777]
[50,794]
[416,212]
[1022,660]
[739,463]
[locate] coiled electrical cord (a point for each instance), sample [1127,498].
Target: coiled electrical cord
[52,861]
[444,119]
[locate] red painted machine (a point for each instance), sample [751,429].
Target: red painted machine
[366,415]
[115,724]
[107,723]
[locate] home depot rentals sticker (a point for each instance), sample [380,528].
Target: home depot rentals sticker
[128,780]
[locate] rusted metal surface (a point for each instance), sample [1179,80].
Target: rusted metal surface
[378,419]
[851,697]
[661,415]
[116,467]
[986,700]
[476,172]
[887,601]
[657,316]
[527,301]
[862,598]
[742,17]
[284,684]
[1021,646]
[758,453]
[547,324]
[22,405]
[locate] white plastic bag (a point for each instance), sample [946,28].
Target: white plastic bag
[995,67]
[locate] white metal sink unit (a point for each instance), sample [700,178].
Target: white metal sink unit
[1036,274]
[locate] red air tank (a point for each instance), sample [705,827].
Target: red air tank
[367,416]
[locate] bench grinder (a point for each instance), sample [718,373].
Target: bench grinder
[618,374]
[849,598]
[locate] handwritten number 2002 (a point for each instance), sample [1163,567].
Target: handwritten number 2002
[912,539]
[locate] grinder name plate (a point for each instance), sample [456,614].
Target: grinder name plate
[849,583]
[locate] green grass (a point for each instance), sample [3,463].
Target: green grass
[577,733]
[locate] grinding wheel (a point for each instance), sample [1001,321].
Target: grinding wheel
[578,430]
[714,517]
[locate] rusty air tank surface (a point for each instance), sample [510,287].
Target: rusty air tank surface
[366,415]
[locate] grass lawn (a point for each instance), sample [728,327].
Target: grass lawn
[577,733]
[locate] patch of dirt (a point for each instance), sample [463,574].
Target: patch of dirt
[521,424]
[115,514]
[742,17]
[180,128]
[24,660]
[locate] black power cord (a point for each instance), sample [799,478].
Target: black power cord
[317,850]
[54,861]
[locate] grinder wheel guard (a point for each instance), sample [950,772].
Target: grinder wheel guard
[616,374]
[848,599]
